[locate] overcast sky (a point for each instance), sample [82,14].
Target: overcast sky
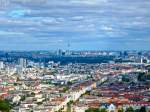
[85,24]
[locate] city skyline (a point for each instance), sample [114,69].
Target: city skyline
[84,24]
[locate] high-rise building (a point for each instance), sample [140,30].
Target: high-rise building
[23,62]
[1,64]
[59,52]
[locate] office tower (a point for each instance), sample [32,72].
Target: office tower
[22,62]
[1,64]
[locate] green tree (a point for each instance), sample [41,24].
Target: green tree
[39,103]
[4,106]
[32,94]
[121,110]
[137,110]
[69,83]
[69,106]
[23,98]
[130,109]
[96,110]
[65,89]
[143,109]
[103,110]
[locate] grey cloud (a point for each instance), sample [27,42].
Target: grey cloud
[74,20]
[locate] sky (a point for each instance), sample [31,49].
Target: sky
[84,24]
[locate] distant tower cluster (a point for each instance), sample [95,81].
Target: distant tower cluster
[65,52]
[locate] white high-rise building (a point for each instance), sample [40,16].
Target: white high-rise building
[22,62]
[1,64]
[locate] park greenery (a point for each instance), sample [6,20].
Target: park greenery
[5,106]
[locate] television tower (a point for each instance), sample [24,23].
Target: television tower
[68,51]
